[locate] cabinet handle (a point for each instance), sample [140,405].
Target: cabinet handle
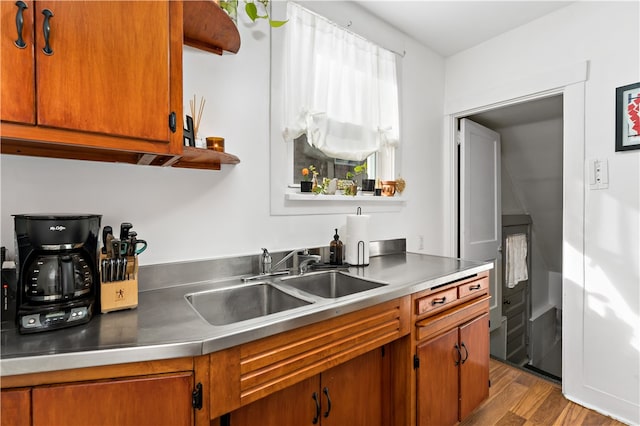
[475,287]
[459,355]
[20,24]
[438,301]
[466,353]
[326,393]
[46,29]
[317,417]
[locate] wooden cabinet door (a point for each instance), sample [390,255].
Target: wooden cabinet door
[108,71]
[17,84]
[292,406]
[355,390]
[348,394]
[153,400]
[16,407]
[474,370]
[437,380]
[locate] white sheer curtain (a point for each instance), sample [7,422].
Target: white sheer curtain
[339,89]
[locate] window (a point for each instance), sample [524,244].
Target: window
[340,99]
[329,167]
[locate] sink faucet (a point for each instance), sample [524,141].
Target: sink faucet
[283,260]
[304,260]
[301,259]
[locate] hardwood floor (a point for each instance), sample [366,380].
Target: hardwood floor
[520,398]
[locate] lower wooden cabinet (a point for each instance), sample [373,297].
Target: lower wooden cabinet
[16,407]
[474,367]
[348,394]
[159,400]
[162,399]
[453,373]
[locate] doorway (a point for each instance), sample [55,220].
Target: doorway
[531,172]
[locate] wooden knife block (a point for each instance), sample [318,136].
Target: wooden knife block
[119,295]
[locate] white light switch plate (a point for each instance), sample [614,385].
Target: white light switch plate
[599,174]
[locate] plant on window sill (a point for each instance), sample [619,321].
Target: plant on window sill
[309,183]
[352,188]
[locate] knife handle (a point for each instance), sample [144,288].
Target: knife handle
[115,244]
[125,227]
[106,231]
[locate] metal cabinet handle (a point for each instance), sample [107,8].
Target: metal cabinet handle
[326,393]
[457,348]
[46,30]
[317,416]
[506,302]
[475,287]
[20,24]
[438,301]
[466,353]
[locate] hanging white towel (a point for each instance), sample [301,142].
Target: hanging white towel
[516,262]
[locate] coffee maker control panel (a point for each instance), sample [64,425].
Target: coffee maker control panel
[56,319]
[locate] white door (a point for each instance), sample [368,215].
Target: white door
[480,204]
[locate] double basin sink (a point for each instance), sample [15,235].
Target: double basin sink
[247,301]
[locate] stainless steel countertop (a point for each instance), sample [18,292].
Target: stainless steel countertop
[164,325]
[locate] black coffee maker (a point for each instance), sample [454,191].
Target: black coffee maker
[57,274]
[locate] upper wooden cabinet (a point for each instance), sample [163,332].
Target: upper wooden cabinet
[17,65]
[100,80]
[108,70]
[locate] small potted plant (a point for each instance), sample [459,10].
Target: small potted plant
[309,179]
[351,188]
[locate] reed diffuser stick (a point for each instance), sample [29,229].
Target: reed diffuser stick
[197,117]
[202,102]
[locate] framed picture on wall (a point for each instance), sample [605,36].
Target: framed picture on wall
[628,117]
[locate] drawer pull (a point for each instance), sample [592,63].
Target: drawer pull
[19,24]
[475,287]
[440,301]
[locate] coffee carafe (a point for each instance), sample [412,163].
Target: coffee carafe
[57,274]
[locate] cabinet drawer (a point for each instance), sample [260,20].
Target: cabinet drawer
[435,301]
[445,320]
[479,286]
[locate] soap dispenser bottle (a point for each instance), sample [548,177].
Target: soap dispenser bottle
[335,250]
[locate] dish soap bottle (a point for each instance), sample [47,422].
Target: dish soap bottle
[335,250]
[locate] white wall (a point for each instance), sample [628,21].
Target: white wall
[601,303]
[193,214]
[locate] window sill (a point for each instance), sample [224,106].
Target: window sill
[292,202]
[359,199]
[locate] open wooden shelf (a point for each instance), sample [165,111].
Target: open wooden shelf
[207,27]
[208,159]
